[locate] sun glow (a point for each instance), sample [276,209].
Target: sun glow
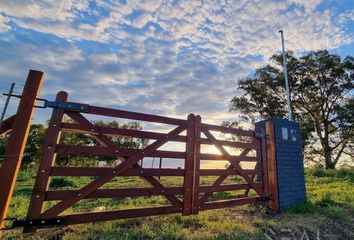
[212,150]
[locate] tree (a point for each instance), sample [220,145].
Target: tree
[33,147]
[321,91]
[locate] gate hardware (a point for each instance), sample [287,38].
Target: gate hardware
[70,106]
[34,222]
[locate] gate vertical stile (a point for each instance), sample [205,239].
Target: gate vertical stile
[195,208]
[46,162]
[189,167]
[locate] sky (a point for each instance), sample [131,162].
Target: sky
[163,57]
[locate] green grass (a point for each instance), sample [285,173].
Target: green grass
[329,210]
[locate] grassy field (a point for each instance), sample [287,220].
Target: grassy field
[329,214]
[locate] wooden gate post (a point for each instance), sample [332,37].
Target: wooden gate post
[272,168]
[17,141]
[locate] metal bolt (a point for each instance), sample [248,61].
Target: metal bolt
[79,194]
[114,171]
[58,221]
[92,130]
[54,125]
[49,147]
[162,190]
[31,222]
[43,222]
[43,171]
[37,196]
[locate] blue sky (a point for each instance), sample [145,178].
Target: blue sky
[162,57]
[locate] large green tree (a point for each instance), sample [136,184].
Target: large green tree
[321,92]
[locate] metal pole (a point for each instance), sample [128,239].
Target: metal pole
[286,77]
[7,102]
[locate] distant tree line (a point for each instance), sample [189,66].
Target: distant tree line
[36,138]
[322,97]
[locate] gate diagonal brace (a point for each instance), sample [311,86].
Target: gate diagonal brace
[50,222]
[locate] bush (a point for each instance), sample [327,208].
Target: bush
[326,201]
[335,212]
[62,182]
[334,173]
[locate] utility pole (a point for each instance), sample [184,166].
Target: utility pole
[7,102]
[286,77]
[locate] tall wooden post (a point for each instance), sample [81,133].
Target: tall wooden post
[17,141]
[272,168]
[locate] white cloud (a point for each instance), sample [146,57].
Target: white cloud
[309,5]
[3,24]
[158,56]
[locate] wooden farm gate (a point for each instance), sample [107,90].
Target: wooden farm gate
[190,198]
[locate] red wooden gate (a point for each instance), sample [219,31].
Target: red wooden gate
[195,197]
[244,151]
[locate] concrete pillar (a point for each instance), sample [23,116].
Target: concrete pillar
[288,154]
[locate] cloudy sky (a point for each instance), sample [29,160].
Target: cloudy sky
[162,57]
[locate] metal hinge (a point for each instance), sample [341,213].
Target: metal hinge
[16,223]
[70,106]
